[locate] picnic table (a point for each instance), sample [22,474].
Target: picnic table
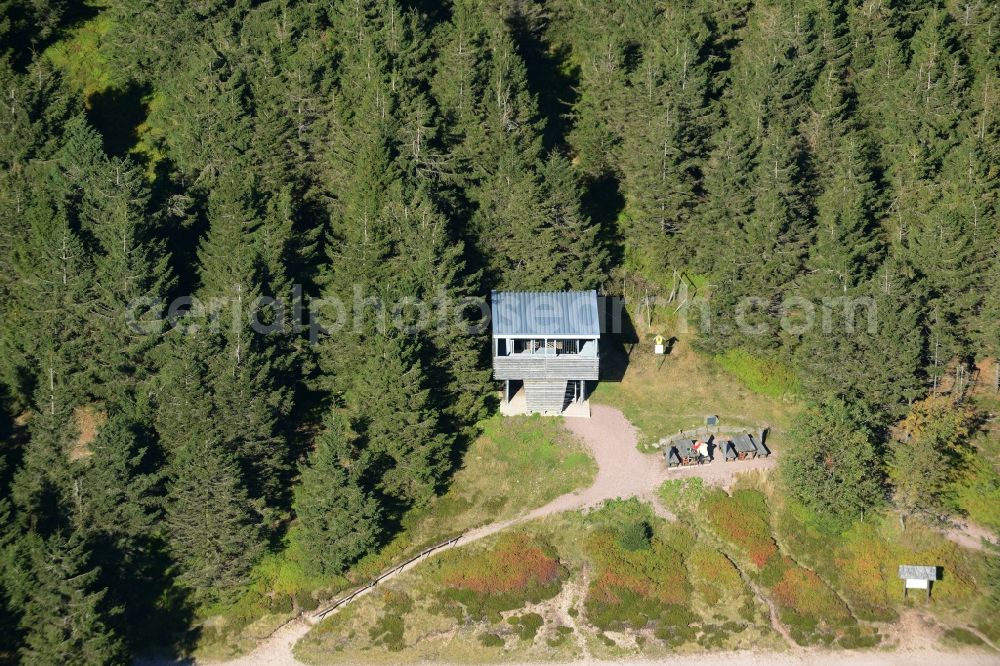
[682,453]
[746,447]
[727,449]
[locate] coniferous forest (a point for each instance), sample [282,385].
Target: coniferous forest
[383,150]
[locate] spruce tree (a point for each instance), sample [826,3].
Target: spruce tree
[431,268]
[580,256]
[760,260]
[504,149]
[338,520]
[986,328]
[834,468]
[42,486]
[64,615]
[213,526]
[664,135]
[461,75]
[53,289]
[116,495]
[244,370]
[390,246]
[404,450]
[131,277]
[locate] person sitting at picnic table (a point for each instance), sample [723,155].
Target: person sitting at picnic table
[700,451]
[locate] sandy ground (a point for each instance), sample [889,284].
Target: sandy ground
[970,535]
[624,472]
[748,658]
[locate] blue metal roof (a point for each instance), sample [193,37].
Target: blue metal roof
[546,313]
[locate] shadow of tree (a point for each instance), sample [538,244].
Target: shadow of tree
[116,114]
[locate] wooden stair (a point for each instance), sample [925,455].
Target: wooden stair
[546,395]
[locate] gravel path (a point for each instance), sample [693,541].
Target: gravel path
[832,658]
[623,472]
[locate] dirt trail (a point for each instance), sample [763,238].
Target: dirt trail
[831,658]
[623,472]
[969,535]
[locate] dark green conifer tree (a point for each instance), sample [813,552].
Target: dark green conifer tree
[65,617]
[664,135]
[581,257]
[833,468]
[338,520]
[404,450]
[116,494]
[213,527]
[505,146]
[131,277]
[248,401]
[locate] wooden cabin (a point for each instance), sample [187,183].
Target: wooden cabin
[545,350]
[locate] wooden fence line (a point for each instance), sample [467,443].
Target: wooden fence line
[343,601]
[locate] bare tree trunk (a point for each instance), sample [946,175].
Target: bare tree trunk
[649,313]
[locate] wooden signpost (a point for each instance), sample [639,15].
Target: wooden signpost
[917,577]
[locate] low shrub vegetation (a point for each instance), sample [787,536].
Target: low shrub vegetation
[526,625]
[640,577]
[761,375]
[388,631]
[518,569]
[562,632]
[811,610]
[714,577]
[742,520]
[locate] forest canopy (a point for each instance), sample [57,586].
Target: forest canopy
[770,152]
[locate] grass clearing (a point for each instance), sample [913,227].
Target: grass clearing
[662,395]
[959,637]
[516,464]
[766,376]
